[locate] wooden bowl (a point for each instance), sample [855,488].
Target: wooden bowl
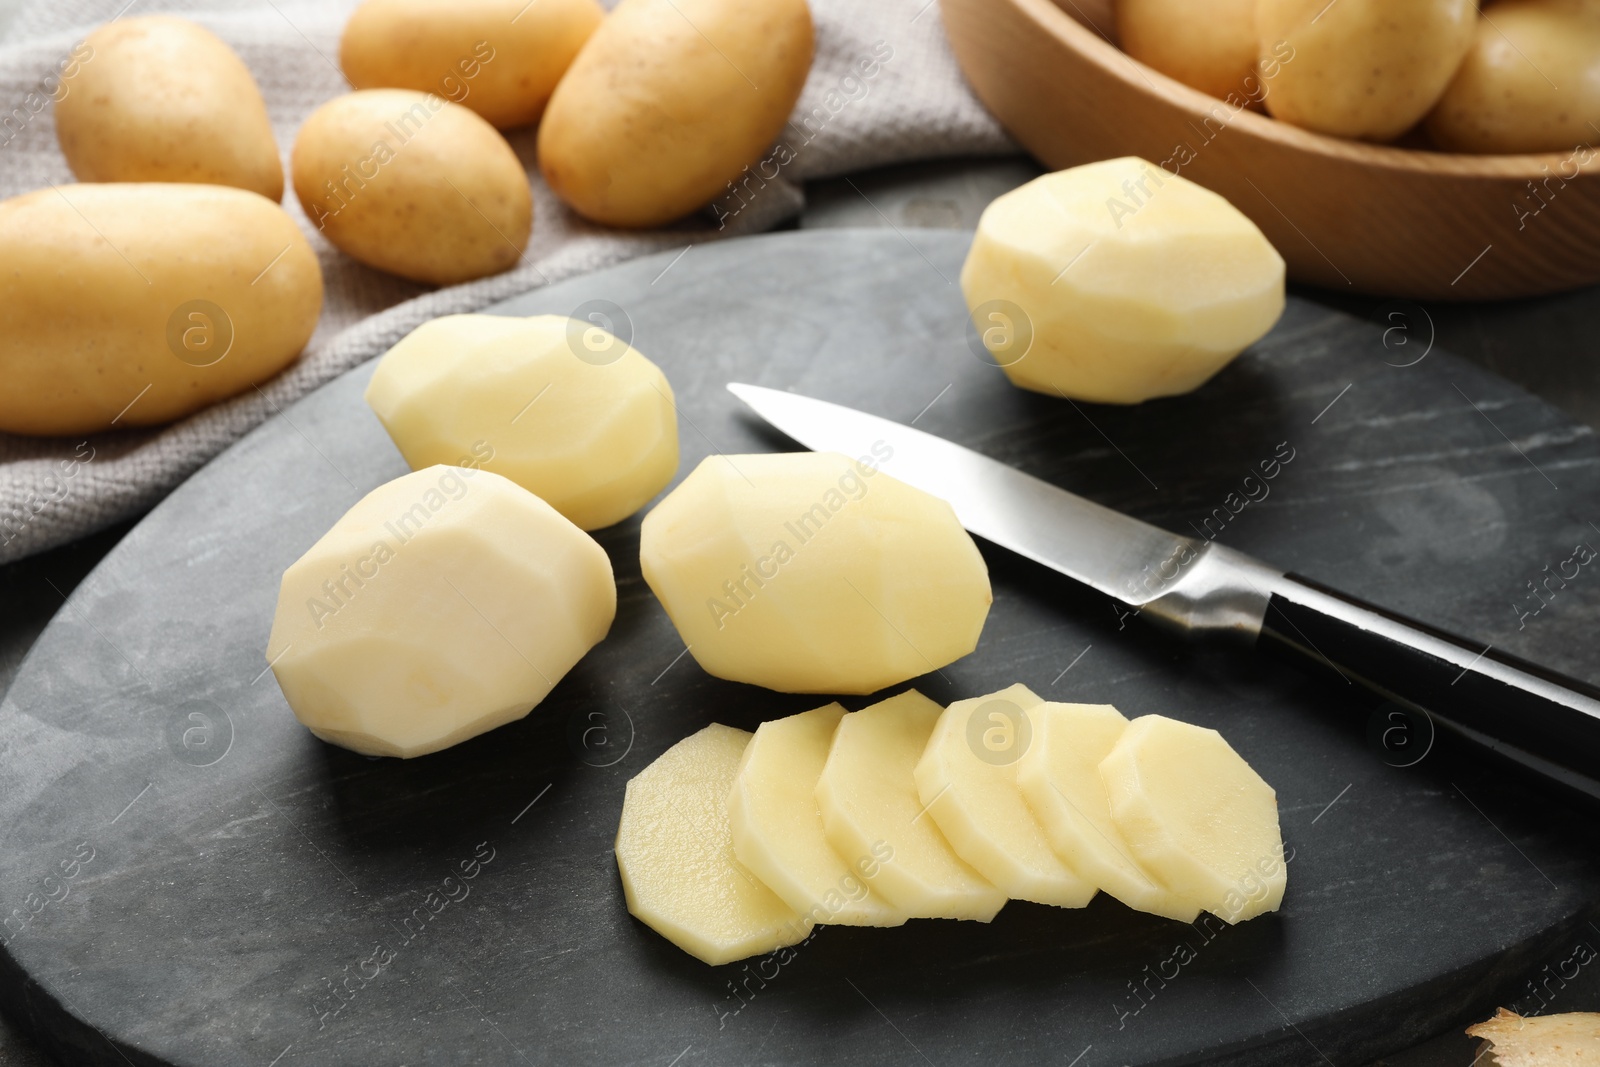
[1345,215]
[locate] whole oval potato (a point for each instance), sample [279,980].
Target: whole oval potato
[1368,69]
[131,304]
[1208,45]
[501,58]
[412,184]
[1530,84]
[164,100]
[669,101]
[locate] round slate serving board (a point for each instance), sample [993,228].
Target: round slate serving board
[188,877]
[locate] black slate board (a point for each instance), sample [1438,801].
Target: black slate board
[191,871]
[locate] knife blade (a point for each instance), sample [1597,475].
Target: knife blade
[1537,717]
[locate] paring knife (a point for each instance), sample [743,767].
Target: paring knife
[1537,717]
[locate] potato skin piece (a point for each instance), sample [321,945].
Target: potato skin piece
[501,58]
[96,290]
[669,101]
[161,99]
[412,184]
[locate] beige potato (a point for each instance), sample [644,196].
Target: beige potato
[1366,69]
[133,304]
[1531,83]
[164,100]
[1209,45]
[501,58]
[412,184]
[669,101]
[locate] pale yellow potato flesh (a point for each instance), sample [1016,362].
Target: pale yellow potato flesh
[1364,69]
[669,101]
[967,779]
[1059,776]
[809,572]
[1209,45]
[1531,83]
[777,827]
[501,58]
[443,604]
[870,807]
[594,433]
[675,853]
[162,99]
[1134,282]
[131,304]
[412,184]
[1197,816]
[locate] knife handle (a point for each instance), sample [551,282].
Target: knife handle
[1535,716]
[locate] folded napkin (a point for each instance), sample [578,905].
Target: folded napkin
[884,88]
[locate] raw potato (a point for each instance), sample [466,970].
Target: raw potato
[668,103]
[777,826]
[1569,1040]
[412,184]
[501,58]
[1368,69]
[1059,775]
[591,430]
[809,572]
[445,603]
[1209,45]
[1116,282]
[675,854]
[1531,83]
[164,100]
[134,304]
[967,778]
[868,796]
[1197,817]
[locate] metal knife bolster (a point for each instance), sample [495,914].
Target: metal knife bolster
[1217,592]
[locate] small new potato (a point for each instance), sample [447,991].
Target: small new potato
[1117,282]
[591,430]
[412,184]
[131,304]
[1363,69]
[669,101]
[164,100]
[501,58]
[1209,45]
[1531,82]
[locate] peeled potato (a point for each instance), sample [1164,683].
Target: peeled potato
[870,807]
[675,854]
[1531,82]
[412,184]
[590,430]
[164,100]
[808,572]
[669,101]
[1197,816]
[1116,282]
[501,58]
[443,604]
[967,777]
[1059,776]
[1207,44]
[1367,69]
[777,827]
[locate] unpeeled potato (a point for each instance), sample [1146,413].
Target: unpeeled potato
[1207,44]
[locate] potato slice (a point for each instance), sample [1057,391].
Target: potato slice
[870,807]
[1059,776]
[675,854]
[967,778]
[1117,281]
[564,409]
[1567,1040]
[778,832]
[1197,817]
[808,572]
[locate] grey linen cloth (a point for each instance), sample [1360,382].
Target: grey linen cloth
[884,88]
